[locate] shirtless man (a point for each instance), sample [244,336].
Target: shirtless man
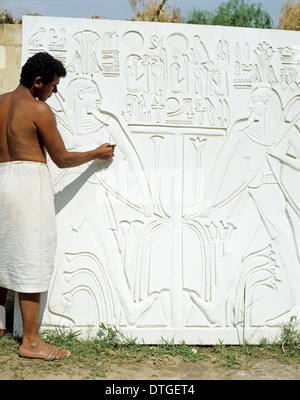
[27,130]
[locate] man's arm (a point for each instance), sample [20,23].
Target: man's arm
[52,140]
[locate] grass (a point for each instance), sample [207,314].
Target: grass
[94,358]
[97,357]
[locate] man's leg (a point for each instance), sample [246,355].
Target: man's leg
[3,294]
[32,345]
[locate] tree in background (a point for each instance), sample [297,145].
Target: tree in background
[6,17]
[290,16]
[154,10]
[233,13]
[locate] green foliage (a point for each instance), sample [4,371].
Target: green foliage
[233,13]
[200,17]
[290,337]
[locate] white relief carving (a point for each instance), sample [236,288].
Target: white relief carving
[55,44]
[35,40]
[57,41]
[166,70]
[199,211]
[85,60]
[256,139]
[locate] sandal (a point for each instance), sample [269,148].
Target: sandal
[52,354]
[50,357]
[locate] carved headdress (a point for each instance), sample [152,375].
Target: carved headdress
[265,131]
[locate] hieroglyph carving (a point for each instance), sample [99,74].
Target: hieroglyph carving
[192,231]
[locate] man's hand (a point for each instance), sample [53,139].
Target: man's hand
[105,151]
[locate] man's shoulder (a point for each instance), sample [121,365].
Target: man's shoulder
[5,96]
[31,102]
[41,105]
[38,107]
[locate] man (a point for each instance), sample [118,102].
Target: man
[27,219]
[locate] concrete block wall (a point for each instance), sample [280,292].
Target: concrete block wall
[10,56]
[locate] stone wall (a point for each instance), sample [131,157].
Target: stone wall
[10,56]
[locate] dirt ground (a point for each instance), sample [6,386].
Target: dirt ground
[171,368]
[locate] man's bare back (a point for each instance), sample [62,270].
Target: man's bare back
[19,136]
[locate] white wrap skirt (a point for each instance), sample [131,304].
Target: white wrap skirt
[27,226]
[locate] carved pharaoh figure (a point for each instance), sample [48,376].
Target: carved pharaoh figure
[85,125]
[262,141]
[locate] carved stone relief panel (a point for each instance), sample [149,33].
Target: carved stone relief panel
[192,231]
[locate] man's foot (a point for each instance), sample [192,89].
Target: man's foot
[43,351]
[2,332]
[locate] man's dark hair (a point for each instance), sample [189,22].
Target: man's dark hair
[41,65]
